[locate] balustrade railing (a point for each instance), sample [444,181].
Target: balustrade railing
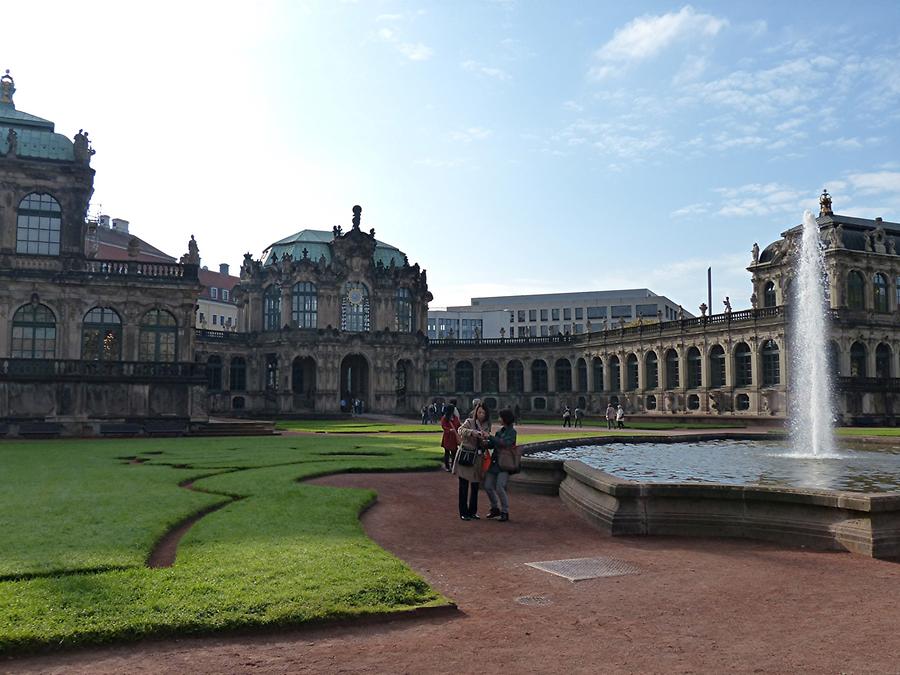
[144,270]
[71,369]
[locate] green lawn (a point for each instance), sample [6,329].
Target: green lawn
[868,431]
[349,427]
[631,423]
[79,521]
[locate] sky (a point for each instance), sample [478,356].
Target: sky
[507,146]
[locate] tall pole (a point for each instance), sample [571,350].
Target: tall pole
[709,288]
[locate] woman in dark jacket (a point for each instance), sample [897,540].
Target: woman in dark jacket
[450,439]
[496,478]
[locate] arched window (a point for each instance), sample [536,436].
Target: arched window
[33,333]
[880,292]
[101,335]
[37,225]
[743,366]
[581,375]
[159,337]
[694,368]
[615,374]
[742,402]
[771,365]
[272,308]
[539,375]
[769,299]
[631,372]
[403,322]
[673,376]
[834,358]
[651,362]
[464,375]
[238,375]
[515,376]
[883,361]
[438,376]
[490,376]
[214,373]
[717,366]
[355,308]
[598,373]
[304,305]
[856,290]
[563,370]
[857,360]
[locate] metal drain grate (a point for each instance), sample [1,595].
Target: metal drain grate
[534,600]
[579,569]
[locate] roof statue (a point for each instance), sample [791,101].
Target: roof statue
[357,212]
[82,147]
[192,257]
[825,204]
[7,88]
[755,253]
[12,142]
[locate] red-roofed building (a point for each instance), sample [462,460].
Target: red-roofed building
[217,309]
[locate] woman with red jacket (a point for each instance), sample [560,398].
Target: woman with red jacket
[450,439]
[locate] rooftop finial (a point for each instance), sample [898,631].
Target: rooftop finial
[7,88]
[825,204]
[357,211]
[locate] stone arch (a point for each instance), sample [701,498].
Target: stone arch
[515,376]
[651,368]
[884,357]
[716,360]
[631,372]
[464,376]
[858,357]
[563,372]
[539,381]
[743,365]
[490,376]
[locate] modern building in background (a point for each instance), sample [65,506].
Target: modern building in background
[548,314]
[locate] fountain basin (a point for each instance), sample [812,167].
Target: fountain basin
[866,523]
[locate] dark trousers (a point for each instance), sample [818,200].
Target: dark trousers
[609,423]
[468,498]
[448,457]
[567,422]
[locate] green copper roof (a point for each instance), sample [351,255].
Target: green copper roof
[11,117]
[35,137]
[318,243]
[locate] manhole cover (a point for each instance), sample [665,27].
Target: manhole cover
[578,569]
[534,600]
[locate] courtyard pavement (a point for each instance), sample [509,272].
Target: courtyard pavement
[697,605]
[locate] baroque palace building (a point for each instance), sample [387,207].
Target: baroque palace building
[87,344]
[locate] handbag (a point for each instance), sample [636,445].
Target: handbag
[486,462]
[509,459]
[465,457]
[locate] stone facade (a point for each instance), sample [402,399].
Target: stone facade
[83,341]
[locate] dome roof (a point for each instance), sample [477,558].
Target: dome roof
[35,137]
[317,244]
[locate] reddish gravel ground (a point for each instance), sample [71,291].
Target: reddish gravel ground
[698,605]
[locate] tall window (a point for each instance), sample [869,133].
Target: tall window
[771,367]
[515,376]
[465,376]
[880,292]
[743,366]
[883,361]
[615,374]
[490,376]
[304,305]
[652,365]
[214,373]
[856,290]
[37,225]
[438,376]
[717,366]
[694,368]
[238,375]
[355,308]
[272,308]
[101,335]
[858,360]
[581,375]
[631,372]
[897,292]
[159,336]
[539,375]
[404,319]
[769,299]
[33,333]
[672,375]
[598,374]
[563,375]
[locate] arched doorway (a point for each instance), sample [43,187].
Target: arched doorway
[355,381]
[402,382]
[303,382]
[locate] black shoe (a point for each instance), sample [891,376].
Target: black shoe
[503,517]
[474,516]
[464,518]
[493,513]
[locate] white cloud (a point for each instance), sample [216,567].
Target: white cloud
[691,70]
[471,134]
[875,182]
[389,17]
[648,35]
[573,106]
[697,209]
[415,52]
[487,71]
[852,143]
[762,199]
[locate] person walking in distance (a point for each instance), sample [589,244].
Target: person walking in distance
[567,417]
[610,415]
[620,417]
[579,417]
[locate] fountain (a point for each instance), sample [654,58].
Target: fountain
[811,402]
[811,494]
